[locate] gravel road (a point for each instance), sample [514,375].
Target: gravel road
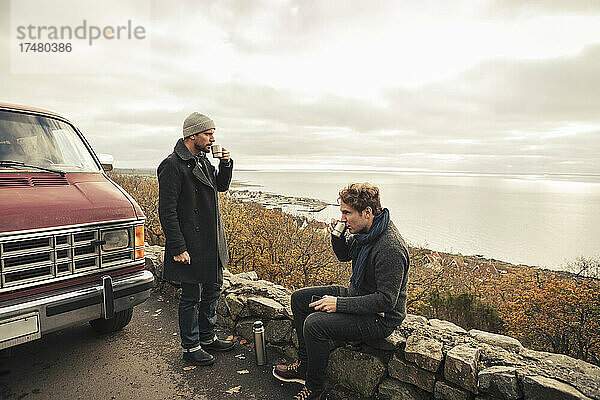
[143,361]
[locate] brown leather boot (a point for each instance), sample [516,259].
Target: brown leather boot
[294,372]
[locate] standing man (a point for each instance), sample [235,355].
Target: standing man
[195,247]
[369,308]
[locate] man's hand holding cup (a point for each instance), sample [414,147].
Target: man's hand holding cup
[220,152]
[337,228]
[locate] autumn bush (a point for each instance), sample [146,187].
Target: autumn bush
[446,289]
[287,250]
[546,311]
[466,310]
[291,251]
[554,313]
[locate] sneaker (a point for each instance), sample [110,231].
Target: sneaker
[219,345]
[198,357]
[307,394]
[294,372]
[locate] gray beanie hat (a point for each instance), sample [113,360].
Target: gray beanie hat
[196,123]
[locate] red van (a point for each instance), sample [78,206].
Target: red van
[71,240]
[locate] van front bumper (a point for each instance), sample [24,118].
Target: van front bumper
[28,319]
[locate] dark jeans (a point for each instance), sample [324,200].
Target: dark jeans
[198,313]
[316,328]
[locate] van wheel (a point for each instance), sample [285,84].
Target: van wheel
[116,323]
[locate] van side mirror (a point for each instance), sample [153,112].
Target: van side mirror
[107,161]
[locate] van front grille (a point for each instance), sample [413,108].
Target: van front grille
[112,258]
[31,258]
[28,274]
[84,237]
[62,253]
[64,267]
[91,249]
[26,260]
[27,244]
[87,263]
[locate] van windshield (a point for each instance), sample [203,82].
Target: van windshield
[43,141]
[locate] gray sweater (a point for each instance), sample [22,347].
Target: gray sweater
[383,288]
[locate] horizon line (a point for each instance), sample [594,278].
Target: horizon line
[419,171]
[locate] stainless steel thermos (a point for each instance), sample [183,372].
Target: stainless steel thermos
[259,343]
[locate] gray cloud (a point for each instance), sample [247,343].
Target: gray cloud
[498,115]
[471,116]
[494,96]
[295,26]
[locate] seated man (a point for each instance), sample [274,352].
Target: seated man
[369,308]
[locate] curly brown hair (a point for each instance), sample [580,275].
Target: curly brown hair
[360,196]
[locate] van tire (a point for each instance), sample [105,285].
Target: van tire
[116,323]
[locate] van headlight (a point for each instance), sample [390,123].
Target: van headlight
[115,240]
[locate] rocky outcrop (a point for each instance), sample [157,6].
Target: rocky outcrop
[461,366]
[360,372]
[409,373]
[421,359]
[425,352]
[502,381]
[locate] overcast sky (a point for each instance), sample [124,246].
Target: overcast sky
[480,86]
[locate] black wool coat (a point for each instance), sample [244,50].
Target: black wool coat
[188,210]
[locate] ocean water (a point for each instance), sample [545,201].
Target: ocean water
[535,220]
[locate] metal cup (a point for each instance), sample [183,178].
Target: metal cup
[339,229]
[217,150]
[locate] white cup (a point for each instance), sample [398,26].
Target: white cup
[339,229]
[217,151]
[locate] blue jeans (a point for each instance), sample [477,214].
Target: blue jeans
[316,328]
[198,313]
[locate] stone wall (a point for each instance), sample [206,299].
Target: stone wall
[421,359]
